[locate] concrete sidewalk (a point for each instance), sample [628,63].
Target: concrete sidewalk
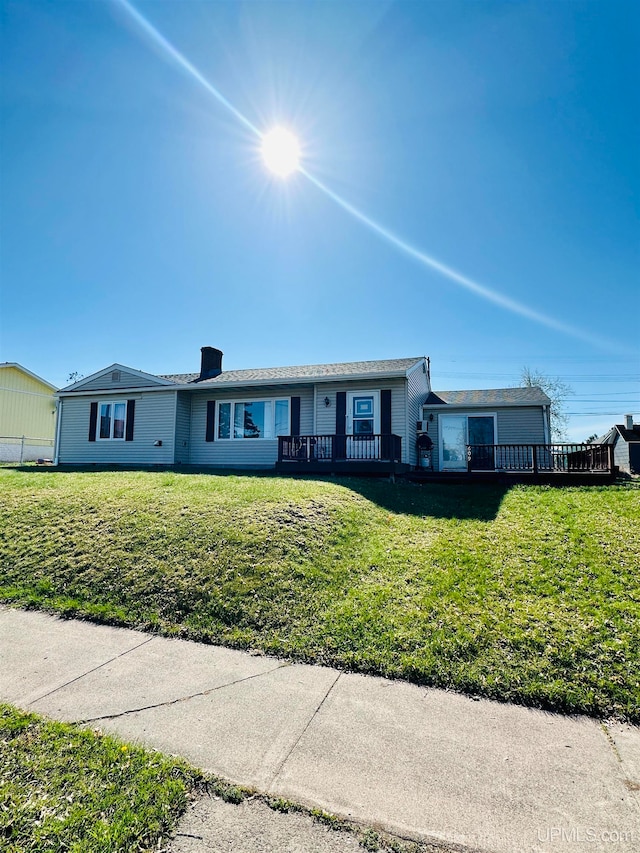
[420,763]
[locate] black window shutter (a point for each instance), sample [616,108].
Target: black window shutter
[341,413]
[295,416]
[211,420]
[385,412]
[340,448]
[385,422]
[93,421]
[131,414]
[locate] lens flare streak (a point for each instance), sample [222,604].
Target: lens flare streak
[160,41]
[422,257]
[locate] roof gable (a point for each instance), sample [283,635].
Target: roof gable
[116,377]
[15,366]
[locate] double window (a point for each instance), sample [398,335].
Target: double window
[111,420]
[253,419]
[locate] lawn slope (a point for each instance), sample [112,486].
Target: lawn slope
[529,594]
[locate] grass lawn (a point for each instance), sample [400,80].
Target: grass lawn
[66,788]
[529,594]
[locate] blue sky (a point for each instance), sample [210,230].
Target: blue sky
[500,138]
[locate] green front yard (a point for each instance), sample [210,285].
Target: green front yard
[530,594]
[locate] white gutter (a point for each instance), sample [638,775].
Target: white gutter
[56,449]
[443,408]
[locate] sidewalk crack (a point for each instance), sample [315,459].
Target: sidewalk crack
[631,785]
[169,702]
[89,671]
[303,732]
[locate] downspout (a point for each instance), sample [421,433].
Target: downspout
[406,453]
[56,449]
[546,424]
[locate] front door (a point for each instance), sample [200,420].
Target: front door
[363,425]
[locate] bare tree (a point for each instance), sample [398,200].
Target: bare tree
[557,391]
[75,376]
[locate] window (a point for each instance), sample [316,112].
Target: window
[112,417]
[363,416]
[253,419]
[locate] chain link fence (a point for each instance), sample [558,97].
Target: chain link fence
[25,449]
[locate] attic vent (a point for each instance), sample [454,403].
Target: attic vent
[115,376]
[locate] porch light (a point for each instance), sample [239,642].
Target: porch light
[327,402]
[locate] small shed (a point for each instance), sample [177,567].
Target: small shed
[625,439]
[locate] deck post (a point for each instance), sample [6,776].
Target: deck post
[611,458]
[534,448]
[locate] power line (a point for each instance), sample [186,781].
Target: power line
[574,376]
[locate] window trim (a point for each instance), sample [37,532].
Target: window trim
[112,420]
[232,414]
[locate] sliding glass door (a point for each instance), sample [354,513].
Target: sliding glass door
[458,431]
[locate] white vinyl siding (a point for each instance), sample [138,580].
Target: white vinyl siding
[417,390]
[155,418]
[326,415]
[515,424]
[225,453]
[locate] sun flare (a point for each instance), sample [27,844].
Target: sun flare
[281,152]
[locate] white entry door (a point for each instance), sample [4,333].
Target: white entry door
[363,425]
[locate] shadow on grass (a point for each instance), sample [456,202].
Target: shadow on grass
[472,501]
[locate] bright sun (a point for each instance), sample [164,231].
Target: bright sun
[281,152]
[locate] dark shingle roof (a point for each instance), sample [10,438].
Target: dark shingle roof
[530,396]
[626,434]
[312,372]
[632,434]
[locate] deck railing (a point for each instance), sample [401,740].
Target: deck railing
[541,458]
[331,448]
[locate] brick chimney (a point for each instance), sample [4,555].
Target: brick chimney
[211,362]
